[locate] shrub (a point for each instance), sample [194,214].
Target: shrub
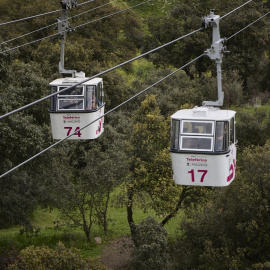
[232,231]
[151,246]
[44,258]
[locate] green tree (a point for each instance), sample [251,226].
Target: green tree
[94,170]
[23,135]
[252,127]
[248,49]
[232,230]
[151,246]
[149,182]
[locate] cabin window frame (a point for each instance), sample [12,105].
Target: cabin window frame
[71,90]
[204,134]
[73,102]
[89,96]
[72,98]
[193,122]
[198,141]
[53,99]
[175,134]
[222,137]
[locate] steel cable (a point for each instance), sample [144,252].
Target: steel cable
[120,105]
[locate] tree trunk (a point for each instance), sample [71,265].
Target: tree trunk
[130,215]
[180,201]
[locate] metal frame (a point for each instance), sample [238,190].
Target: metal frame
[215,53]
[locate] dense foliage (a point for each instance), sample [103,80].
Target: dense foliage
[58,258]
[151,244]
[226,227]
[232,230]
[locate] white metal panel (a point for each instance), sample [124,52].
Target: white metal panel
[72,80]
[64,124]
[203,169]
[204,113]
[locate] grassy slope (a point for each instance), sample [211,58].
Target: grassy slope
[50,234]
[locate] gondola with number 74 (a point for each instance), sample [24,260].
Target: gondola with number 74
[77,107]
[76,101]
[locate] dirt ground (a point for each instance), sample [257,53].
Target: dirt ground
[116,255]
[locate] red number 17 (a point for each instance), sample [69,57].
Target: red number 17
[200,171]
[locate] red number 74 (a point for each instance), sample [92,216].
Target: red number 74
[77,133]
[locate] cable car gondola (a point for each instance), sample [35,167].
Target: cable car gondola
[77,107]
[82,102]
[203,144]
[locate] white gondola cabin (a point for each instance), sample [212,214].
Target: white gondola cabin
[76,107]
[203,146]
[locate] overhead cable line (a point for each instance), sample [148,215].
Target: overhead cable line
[106,71]
[87,2]
[29,43]
[27,34]
[35,16]
[14,48]
[32,17]
[53,24]
[112,14]
[248,25]
[91,10]
[113,108]
[235,9]
[99,74]
[110,111]
[11,49]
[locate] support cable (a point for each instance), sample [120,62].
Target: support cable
[24,35]
[1,52]
[91,9]
[14,168]
[248,26]
[53,94]
[118,106]
[11,49]
[235,9]
[87,2]
[53,24]
[112,14]
[35,16]
[31,17]
[29,43]
[99,74]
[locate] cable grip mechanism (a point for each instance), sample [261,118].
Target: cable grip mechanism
[215,52]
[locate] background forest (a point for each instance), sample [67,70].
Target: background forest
[128,169]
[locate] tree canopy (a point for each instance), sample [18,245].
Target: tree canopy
[232,230]
[224,227]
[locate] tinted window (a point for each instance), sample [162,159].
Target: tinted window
[91,97]
[222,136]
[53,99]
[70,104]
[74,91]
[232,139]
[196,143]
[175,134]
[194,127]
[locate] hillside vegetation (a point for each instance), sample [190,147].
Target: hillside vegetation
[109,186]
